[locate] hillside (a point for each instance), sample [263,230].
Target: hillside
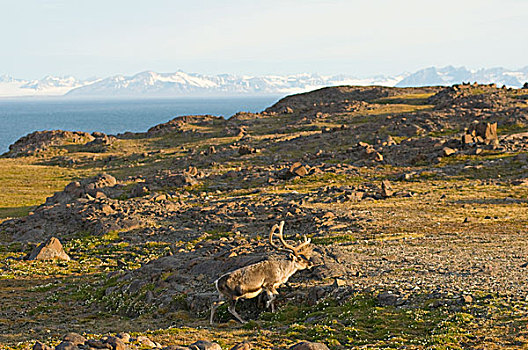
[415,200]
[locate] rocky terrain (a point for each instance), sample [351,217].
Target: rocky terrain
[415,200]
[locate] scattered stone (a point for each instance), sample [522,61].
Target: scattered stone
[66,345]
[243,150]
[481,133]
[306,345]
[125,337]
[98,344]
[447,151]
[49,250]
[211,150]
[40,346]
[388,299]
[145,341]
[204,345]
[520,182]
[386,189]
[242,346]
[116,343]
[467,299]
[339,282]
[74,338]
[297,169]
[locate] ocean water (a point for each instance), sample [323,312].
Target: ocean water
[19,117]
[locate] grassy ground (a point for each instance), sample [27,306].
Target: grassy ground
[25,184]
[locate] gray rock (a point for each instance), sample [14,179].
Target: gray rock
[306,345]
[204,345]
[97,344]
[388,299]
[116,343]
[242,346]
[74,338]
[66,345]
[49,250]
[40,346]
[145,341]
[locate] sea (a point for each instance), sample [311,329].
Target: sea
[19,117]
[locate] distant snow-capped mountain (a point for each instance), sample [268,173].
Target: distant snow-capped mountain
[451,75]
[192,84]
[181,84]
[47,86]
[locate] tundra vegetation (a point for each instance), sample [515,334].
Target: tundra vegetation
[415,201]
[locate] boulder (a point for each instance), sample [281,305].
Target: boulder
[242,346]
[243,150]
[116,343]
[389,299]
[97,344]
[145,341]
[66,345]
[483,132]
[40,346]
[386,189]
[49,250]
[210,150]
[306,345]
[93,186]
[125,337]
[297,169]
[204,345]
[74,338]
[447,151]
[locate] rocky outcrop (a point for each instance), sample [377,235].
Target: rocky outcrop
[100,144]
[479,132]
[337,99]
[184,123]
[97,187]
[41,141]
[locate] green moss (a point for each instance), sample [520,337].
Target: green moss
[444,132]
[333,239]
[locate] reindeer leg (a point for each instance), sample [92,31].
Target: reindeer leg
[271,298]
[233,312]
[272,294]
[215,306]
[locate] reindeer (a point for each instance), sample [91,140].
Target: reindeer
[265,276]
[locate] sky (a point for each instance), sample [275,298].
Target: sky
[258,37]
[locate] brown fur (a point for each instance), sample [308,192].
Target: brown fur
[265,276]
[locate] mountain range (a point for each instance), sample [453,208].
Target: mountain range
[181,84]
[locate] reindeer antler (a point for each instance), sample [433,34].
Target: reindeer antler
[287,247]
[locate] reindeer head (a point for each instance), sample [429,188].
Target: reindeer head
[300,254]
